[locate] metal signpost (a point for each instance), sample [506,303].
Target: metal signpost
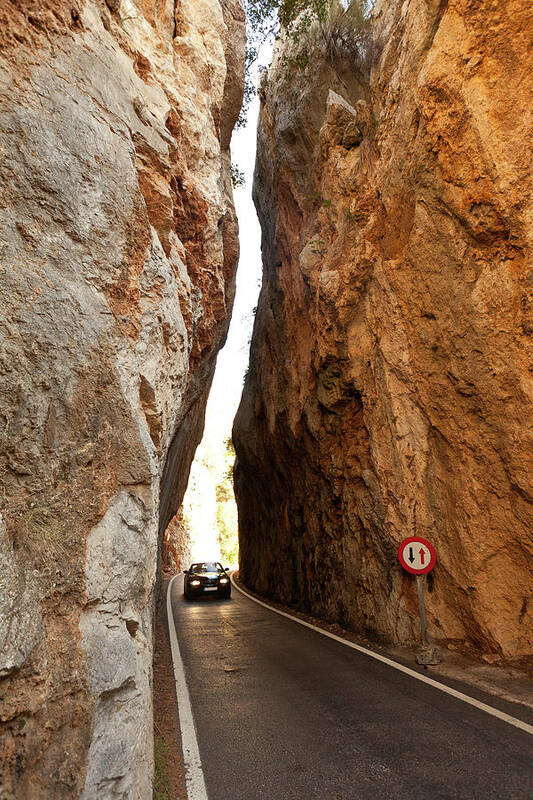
[418,556]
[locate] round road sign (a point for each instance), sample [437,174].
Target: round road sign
[417,555]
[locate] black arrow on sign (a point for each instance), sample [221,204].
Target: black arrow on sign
[411,556]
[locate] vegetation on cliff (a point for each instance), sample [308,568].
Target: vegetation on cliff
[330,29]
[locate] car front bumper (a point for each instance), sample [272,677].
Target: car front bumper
[218,588]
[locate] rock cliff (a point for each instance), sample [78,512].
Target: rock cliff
[390,390]
[118,249]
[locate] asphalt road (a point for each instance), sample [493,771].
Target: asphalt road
[282,712]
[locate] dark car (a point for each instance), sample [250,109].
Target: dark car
[206,577]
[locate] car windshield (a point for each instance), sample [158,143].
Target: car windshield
[207,566]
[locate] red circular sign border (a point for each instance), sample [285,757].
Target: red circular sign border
[432,560]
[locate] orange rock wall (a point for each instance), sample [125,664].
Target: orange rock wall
[390,390]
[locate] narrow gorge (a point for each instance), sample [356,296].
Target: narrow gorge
[119,247]
[390,388]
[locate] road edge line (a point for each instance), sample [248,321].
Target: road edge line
[495,712]
[194,774]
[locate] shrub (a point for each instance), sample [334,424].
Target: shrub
[237,177]
[327,26]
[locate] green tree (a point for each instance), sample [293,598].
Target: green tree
[227,522]
[329,28]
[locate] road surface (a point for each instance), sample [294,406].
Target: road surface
[282,712]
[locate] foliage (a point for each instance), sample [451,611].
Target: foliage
[318,197]
[227,529]
[227,523]
[326,27]
[250,76]
[262,19]
[262,25]
[318,247]
[330,30]
[162,787]
[331,27]
[230,455]
[237,177]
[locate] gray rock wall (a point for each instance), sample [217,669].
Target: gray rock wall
[118,248]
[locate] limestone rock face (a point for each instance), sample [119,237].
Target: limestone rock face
[118,248]
[390,390]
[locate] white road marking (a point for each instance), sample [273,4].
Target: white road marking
[495,712]
[194,774]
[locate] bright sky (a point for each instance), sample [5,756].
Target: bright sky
[209,464]
[233,358]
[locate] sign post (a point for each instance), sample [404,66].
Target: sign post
[420,580]
[418,556]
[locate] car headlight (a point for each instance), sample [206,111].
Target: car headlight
[195,583]
[223,580]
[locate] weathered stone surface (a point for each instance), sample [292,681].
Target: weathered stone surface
[344,124]
[390,387]
[20,618]
[118,248]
